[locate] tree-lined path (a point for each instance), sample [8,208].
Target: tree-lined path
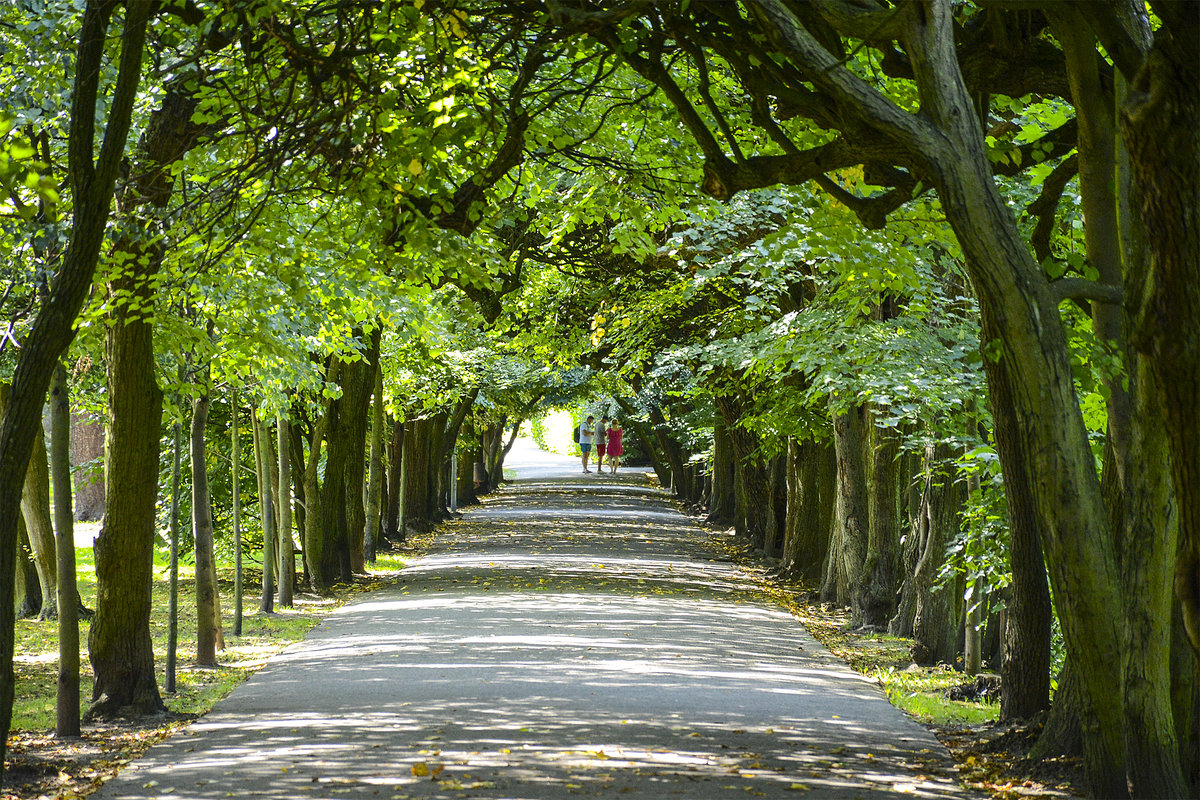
[575,636]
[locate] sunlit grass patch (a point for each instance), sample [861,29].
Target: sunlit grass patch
[387,563]
[921,692]
[197,689]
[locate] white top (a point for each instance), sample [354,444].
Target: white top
[585,433]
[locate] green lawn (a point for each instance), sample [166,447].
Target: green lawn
[36,643]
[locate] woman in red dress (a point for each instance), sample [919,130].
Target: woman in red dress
[614,446]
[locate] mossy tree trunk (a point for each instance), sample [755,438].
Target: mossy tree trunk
[811,472]
[207,610]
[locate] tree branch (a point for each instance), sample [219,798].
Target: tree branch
[1080,289]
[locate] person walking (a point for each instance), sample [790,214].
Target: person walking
[599,441]
[586,434]
[615,434]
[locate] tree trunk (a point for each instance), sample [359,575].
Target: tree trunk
[67,706]
[202,535]
[776,509]
[973,639]
[1139,506]
[853,521]
[358,383]
[754,481]
[315,531]
[28,599]
[936,612]
[266,502]
[35,505]
[173,591]
[676,459]
[1160,119]
[881,567]
[119,643]
[466,480]
[39,529]
[812,470]
[287,547]
[235,481]
[393,530]
[901,623]
[720,507]
[87,459]
[120,639]
[375,473]
[416,473]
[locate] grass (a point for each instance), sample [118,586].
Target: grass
[36,643]
[921,693]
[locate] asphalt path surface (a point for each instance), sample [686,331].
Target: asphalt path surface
[575,636]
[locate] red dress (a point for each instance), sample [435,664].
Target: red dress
[614,441]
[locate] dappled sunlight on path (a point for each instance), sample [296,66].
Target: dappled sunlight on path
[568,638]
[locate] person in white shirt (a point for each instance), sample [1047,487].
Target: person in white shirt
[586,435]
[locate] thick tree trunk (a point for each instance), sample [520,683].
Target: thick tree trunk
[28,597]
[881,568]
[417,475]
[119,643]
[1020,316]
[935,617]
[753,479]
[1136,478]
[392,527]
[466,481]
[852,521]
[1160,121]
[812,470]
[120,638]
[437,496]
[318,528]
[901,623]
[466,471]
[67,706]
[777,509]
[676,459]
[202,536]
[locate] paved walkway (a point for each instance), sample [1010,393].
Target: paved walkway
[574,637]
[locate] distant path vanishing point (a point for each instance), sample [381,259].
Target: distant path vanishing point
[575,636]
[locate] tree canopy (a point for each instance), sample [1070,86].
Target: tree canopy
[903,239]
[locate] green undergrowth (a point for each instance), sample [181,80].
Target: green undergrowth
[197,689]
